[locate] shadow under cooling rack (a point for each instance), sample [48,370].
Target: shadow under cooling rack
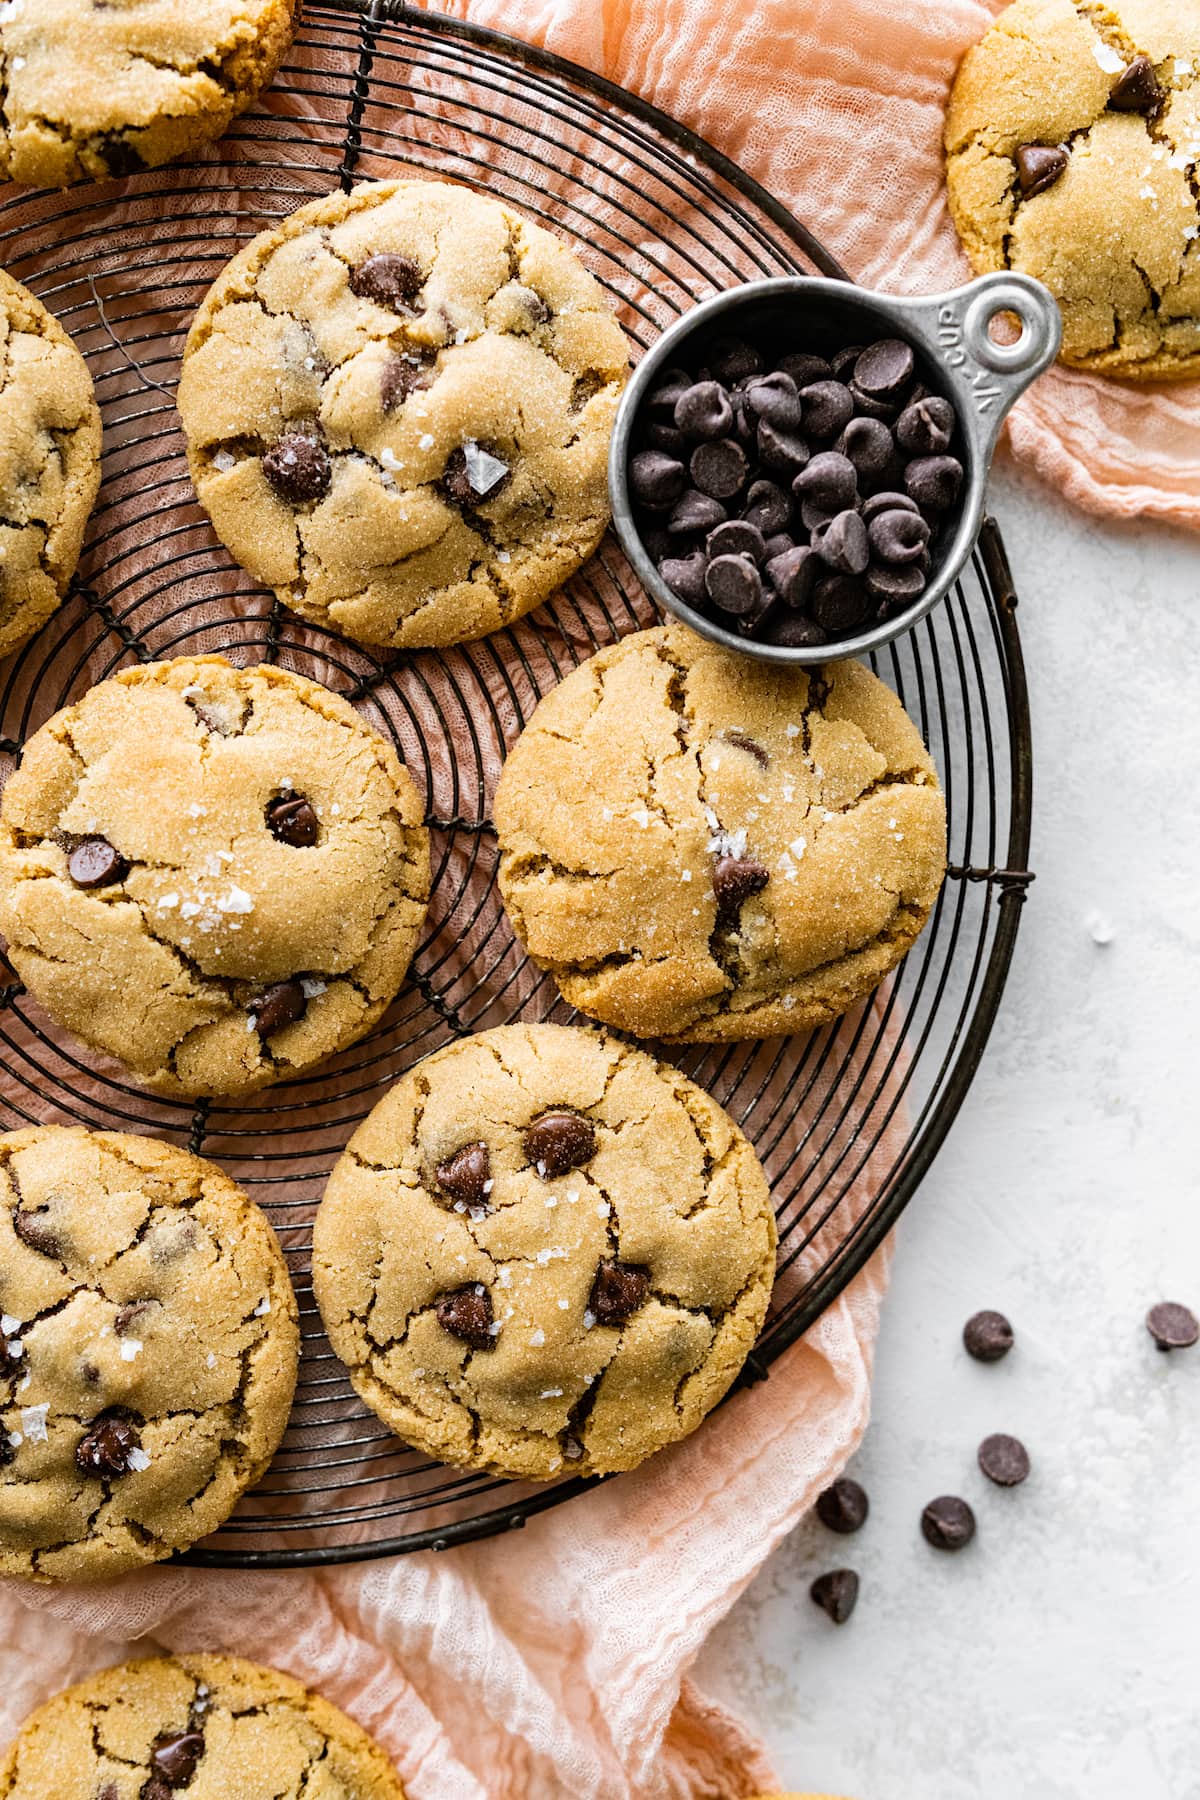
[846,1121]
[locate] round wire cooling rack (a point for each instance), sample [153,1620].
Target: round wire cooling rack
[846,1121]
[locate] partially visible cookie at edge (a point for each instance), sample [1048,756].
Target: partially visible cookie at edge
[215,1725]
[92,91]
[398,404]
[148,1351]
[1071,142]
[49,462]
[544,1253]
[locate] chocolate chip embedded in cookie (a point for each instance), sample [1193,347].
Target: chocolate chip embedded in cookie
[398,405]
[49,460]
[597,1306]
[96,90]
[215,874]
[1070,143]
[699,847]
[165,1726]
[150,1343]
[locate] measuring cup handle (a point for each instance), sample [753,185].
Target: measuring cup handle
[989,377]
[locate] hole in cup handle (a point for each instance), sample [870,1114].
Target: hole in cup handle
[997,374]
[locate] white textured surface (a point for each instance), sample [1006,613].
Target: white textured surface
[1055,1659]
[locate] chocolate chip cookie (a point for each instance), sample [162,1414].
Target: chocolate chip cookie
[217,875]
[95,88]
[698,846]
[148,1350]
[544,1252]
[1071,142]
[214,1726]
[398,406]
[49,461]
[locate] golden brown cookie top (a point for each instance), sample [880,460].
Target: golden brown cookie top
[148,1347]
[544,1252]
[49,461]
[1071,137]
[698,845]
[213,1726]
[215,874]
[398,406]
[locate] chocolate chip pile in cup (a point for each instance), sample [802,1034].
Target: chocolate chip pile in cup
[792,497]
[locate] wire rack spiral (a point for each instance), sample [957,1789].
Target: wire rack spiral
[846,1121]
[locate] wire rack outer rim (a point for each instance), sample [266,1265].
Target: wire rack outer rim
[1012,881]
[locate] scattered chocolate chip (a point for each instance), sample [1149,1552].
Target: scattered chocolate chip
[1172,1326]
[732,359]
[843,1506]
[898,537]
[736,537]
[719,468]
[558,1141]
[1004,1459]
[175,1758]
[1136,88]
[684,575]
[987,1336]
[467,1175]
[474,474]
[735,878]
[948,1523]
[36,1232]
[830,479]
[466,1313]
[400,377]
[836,1594]
[617,1292]
[703,411]
[695,511]
[926,427]
[297,465]
[656,479]
[843,544]
[793,574]
[1039,166]
[95,863]
[826,408]
[768,507]
[280,1005]
[934,482]
[734,584]
[291,819]
[107,1445]
[389,280]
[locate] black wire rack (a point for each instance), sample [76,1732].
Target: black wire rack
[846,1121]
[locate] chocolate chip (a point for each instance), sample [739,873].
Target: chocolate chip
[885,501]
[12,1358]
[735,878]
[926,427]
[736,537]
[466,1313]
[617,1292]
[898,537]
[684,575]
[665,438]
[297,465]
[843,1506]
[95,863]
[776,545]
[732,359]
[662,402]
[655,478]
[720,468]
[1004,1460]
[786,451]
[844,360]
[558,1141]
[826,408]
[840,603]
[743,741]
[389,280]
[175,1758]
[36,1232]
[1172,1326]
[291,819]
[118,155]
[1039,166]
[467,1175]
[948,1523]
[884,368]
[805,369]
[278,1006]
[776,399]
[105,1448]
[868,444]
[836,1594]
[815,517]
[843,544]
[831,480]
[703,411]
[873,406]
[156,1789]
[1136,88]
[734,584]
[474,474]
[793,574]
[400,377]
[129,1314]
[795,631]
[988,1336]
[894,586]
[695,511]
[934,481]
[768,507]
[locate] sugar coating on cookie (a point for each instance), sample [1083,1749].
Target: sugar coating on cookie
[215,874]
[97,88]
[213,1726]
[148,1351]
[698,846]
[49,461]
[544,1252]
[398,405]
[1072,140]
